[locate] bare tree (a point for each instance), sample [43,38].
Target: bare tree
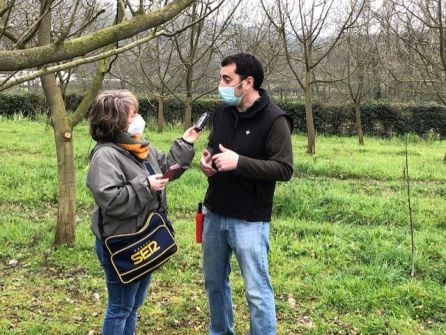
[420,26]
[158,74]
[196,48]
[169,76]
[309,33]
[182,66]
[63,128]
[251,31]
[360,57]
[33,42]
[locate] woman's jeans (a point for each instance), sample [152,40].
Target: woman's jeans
[249,241]
[123,299]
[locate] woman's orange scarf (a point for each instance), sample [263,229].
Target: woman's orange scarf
[134,144]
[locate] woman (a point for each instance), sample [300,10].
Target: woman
[125,180]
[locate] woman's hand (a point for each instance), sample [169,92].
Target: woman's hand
[157,183]
[191,135]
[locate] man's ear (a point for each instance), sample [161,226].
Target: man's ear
[250,81]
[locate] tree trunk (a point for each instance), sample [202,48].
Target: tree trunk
[188,112]
[66,218]
[189,99]
[160,114]
[359,123]
[63,134]
[311,136]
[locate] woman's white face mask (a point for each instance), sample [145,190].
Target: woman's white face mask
[137,126]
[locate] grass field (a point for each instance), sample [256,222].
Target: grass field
[340,242]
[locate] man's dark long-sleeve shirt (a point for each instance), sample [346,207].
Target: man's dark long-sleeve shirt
[261,137]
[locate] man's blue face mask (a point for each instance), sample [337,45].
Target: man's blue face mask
[227,95]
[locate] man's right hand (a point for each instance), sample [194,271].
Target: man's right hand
[206,164]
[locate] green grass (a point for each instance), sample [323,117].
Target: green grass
[340,243]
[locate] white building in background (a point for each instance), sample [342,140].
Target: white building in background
[31,86]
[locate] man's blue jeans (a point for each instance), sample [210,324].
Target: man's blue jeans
[249,241]
[124,300]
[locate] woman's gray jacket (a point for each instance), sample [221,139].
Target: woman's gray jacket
[119,184]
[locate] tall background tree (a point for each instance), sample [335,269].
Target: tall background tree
[157,73]
[251,31]
[420,30]
[309,30]
[198,47]
[419,27]
[361,53]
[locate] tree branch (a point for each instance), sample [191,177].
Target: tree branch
[51,69]
[38,56]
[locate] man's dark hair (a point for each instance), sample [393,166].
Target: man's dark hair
[246,65]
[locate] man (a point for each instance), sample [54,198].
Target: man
[249,150]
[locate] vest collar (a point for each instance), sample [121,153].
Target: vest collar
[259,105]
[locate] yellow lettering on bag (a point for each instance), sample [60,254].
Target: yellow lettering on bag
[145,252]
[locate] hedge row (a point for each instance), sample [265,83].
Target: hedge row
[28,105]
[378,119]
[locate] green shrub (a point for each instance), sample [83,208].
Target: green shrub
[378,119]
[27,105]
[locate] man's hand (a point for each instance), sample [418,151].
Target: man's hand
[226,160]
[206,164]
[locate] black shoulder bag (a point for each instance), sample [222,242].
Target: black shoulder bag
[136,254]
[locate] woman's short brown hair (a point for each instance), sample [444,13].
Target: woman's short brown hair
[109,112]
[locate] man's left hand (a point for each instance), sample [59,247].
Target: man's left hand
[226,160]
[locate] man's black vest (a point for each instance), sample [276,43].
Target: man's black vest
[246,134]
